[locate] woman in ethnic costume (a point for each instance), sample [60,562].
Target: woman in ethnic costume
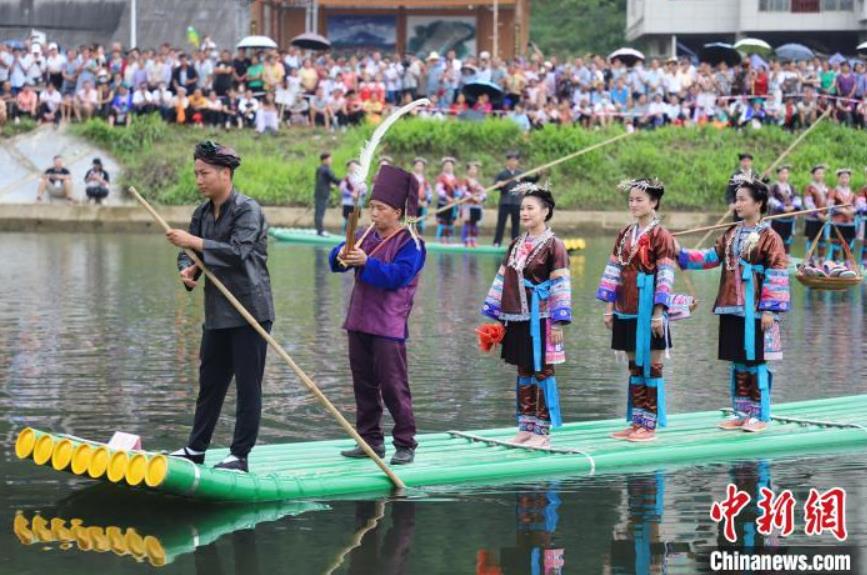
[472,209]
[861,221]
[636,285]
[842,217]
[816,196]
[419,165]
[448,191]
[754,288]
[531,295]
[783,199]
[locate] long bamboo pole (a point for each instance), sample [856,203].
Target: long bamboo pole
[770,168]
[305,379]
[535,170]
[766,218]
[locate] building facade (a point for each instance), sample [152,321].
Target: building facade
[404,26]
[825,25]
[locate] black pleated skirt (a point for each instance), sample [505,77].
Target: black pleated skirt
[731,339]
[517,346]
[623,334]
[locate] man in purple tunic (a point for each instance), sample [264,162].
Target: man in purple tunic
[386,265]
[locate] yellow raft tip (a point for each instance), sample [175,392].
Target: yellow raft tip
[98,462]
[157,468]
[25,443]
[155,552]
[61,455]
[81,457]
[137,469]
[43,450]
[117,466]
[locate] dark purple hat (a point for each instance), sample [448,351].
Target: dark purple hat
[397,188]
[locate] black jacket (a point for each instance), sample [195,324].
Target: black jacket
[236,251]
[325,178]
[507,195]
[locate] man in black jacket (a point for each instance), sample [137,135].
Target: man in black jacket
[185,76]
[325,180]
[229,233]
[510,202]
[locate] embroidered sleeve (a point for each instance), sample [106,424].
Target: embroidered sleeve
[861,202]
[702,259]
[665,257]
[775,286]
[796,200]
[560,300]
[610,281]
[494,300]
[809,199]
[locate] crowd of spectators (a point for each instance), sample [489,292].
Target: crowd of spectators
[269,90]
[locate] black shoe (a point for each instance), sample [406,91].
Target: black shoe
[184,453]
[403,455]
[358,453]
[235,464]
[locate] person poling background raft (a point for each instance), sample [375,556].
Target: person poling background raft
[754,288]
[532,297]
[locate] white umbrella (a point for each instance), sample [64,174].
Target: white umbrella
[862,48]
[753,46]
[628,56]
[263,42]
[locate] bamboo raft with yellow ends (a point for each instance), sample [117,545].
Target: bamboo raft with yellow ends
[315,470]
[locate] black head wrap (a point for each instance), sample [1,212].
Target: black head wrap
[215,154]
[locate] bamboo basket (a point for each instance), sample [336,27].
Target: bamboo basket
[830,283]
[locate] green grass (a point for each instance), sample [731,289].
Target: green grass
[11,129]
[694,163]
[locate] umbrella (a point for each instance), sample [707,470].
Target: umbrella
[756,62]
[263,42]
[717,52]
[629,56]
[794,52]
[311,41]
[475,89]
[862,48]
[837,58]
[753,46]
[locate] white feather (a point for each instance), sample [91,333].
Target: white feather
[365,160]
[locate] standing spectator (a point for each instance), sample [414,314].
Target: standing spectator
[204,70]
[255,73]
[185,76]
[309,77]
[96,182]
[54,66]
[57,181]
[273,73]
[325,180]
[7,102]
[223,74]
[6,59]
[49,105]
[846,87]
[240,64]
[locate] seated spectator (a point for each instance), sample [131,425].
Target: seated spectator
[6,101]
[26,104]
[299,113]
[247,108]
[337,107]
[604,111]
[214,111]
[230,109]
[285,96]
[86,103]
[163,99]
[483,104]
[320,109]
[181,106]
[105,93]
[459,106]
[96,182]
[198,107]
[808,107]
[656,110]
[121,106]
[50,101]
[519,116]
[57,181]
[143,100]
[267,116]
[373,109]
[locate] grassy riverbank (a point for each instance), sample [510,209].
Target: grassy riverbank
[695,164]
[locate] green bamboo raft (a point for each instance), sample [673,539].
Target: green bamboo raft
[309,237]
[315,470]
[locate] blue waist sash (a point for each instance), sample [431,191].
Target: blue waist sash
[646,284]
[750,306]
[541,292]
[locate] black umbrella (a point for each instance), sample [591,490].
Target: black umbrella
[475,89]
[718,52]
[311,41]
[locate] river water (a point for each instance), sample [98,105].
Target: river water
[96,334]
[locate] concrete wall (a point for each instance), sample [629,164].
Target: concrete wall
[74,22]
